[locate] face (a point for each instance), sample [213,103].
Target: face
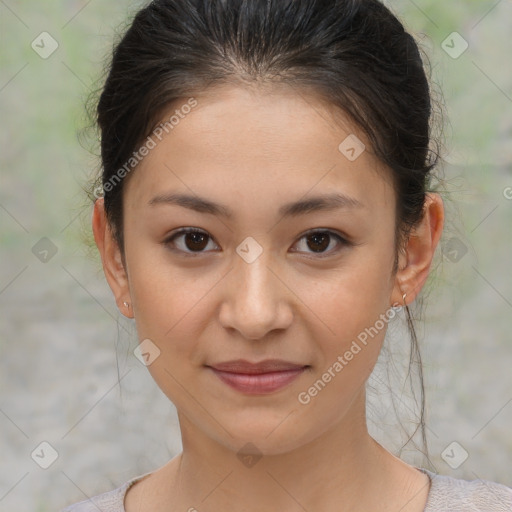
[292,262]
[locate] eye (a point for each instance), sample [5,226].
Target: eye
[320,240]
[193,240]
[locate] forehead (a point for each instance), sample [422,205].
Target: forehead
[242,144]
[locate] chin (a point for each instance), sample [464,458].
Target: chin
[264,436]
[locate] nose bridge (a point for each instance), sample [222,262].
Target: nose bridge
[257,300]
[258,280]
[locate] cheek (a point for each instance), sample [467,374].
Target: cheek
[169,308]
[159,294]
[349,299]
[169,303]
[348,341]
[349,336]
[353,311]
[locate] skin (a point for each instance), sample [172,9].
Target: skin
[254,150]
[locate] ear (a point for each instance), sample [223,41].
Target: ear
[417,255]
[111,258]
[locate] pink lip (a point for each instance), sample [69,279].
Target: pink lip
[257,378]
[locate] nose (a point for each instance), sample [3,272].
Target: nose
[256,300]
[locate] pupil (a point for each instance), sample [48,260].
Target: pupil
[319,237]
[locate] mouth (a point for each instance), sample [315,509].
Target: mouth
[257,378]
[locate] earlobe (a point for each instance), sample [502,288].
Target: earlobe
[111,259]
[418,253]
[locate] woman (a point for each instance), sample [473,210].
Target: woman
[264,211]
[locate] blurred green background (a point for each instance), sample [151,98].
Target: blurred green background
[63,344]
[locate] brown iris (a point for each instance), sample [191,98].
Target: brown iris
[198,240]
[321,241]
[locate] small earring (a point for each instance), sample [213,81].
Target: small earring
[403,298]
[126,305]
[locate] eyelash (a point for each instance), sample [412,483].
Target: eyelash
[341,240]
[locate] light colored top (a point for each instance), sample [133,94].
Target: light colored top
[447,494]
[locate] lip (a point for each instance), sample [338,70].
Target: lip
[257,378]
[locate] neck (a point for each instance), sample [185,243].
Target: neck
[344,468]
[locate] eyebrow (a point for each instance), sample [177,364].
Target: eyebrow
[325,202]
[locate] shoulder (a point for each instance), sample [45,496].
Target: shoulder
[457,495]
[111,501]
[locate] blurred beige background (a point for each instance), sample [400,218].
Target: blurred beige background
[62,340]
